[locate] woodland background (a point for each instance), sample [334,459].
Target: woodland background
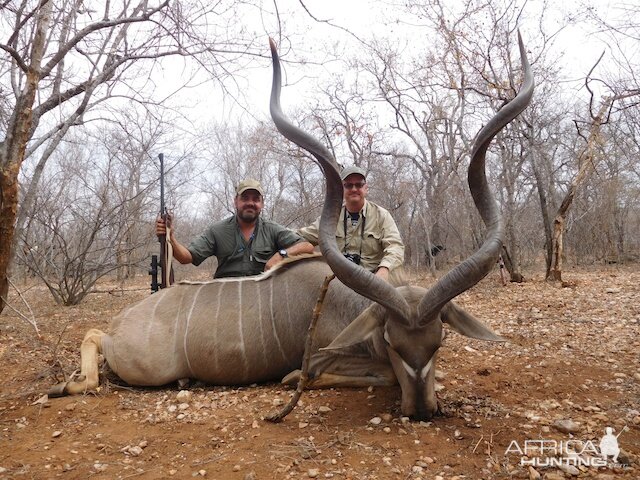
[92,92]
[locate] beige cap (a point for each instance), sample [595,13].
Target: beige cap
[249,184]
[351,171]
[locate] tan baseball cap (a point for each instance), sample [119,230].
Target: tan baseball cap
[249,184]
[351,171]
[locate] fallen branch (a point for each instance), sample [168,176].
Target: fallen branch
[304,373]
[117,291]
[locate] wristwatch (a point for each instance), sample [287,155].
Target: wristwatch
[283,253]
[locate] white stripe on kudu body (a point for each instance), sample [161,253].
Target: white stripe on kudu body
[274,329]
[261,332]
[215,327]
[186,328]
[243,349]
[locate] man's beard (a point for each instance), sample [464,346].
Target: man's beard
[248,216]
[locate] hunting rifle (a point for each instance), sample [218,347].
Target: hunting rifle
[164,263]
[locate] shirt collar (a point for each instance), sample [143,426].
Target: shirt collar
[255,229]
[363,211]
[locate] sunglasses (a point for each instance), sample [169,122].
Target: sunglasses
[356,185]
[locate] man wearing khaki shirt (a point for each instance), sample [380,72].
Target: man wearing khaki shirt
[366,233]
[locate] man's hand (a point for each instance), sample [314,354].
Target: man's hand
[383,273]
[180,252]
[161,226]
[275,259]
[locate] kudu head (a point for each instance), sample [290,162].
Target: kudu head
[409,319]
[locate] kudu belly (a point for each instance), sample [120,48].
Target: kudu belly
[223,333]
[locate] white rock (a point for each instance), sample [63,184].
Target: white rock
[566,426]
[134,451]
[183,396]
[375,421]
[386,417]
[313,472]
[41,401]
[56,434]
[569,469]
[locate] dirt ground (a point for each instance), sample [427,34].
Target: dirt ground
[571,369]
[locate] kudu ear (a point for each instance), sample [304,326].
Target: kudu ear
[466,324]
[360,330]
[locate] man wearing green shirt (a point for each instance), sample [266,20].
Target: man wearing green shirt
[244,243]
[366,233]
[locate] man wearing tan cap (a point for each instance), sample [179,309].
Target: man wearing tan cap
[366,233]
[244,243]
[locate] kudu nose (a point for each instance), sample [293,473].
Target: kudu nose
[423,414]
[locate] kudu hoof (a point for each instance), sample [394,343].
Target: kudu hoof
[292,378]
[59,390]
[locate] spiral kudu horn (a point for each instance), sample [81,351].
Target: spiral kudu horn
[477,266]
[352,275]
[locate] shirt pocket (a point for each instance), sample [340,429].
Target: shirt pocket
[372,244]
[262,255]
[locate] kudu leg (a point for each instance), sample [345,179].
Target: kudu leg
[88,378]
[346,371]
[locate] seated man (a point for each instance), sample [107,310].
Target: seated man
[366,233]
[244,244]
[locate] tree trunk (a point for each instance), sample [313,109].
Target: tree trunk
[586,161]
[544,209]
[514,274]
[557,247]
[13,148]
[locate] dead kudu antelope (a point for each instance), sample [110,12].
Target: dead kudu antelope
[247,330]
